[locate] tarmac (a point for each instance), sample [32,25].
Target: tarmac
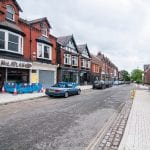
[137,131]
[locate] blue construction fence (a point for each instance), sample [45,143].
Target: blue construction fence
[22,87]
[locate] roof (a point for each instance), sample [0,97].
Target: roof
[40,20]
[63,40]
[44,40]
[82,47]
[11,26]
[18,6]
[95,59]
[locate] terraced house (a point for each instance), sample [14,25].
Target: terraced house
[85,64]
[27,49]
[68,59]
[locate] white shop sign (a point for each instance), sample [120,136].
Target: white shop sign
[15,64]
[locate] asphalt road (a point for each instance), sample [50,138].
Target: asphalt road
[59,124]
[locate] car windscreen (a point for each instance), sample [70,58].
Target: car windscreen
[60,85]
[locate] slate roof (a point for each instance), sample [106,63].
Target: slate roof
[16,3]
[63,40]
[11,26]
[81,48]
[40,20]
[44,40]
[95,59]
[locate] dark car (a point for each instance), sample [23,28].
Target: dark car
[99,84]
[64,89]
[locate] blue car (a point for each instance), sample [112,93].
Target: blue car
[64,89]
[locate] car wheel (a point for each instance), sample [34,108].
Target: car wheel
[103,86]
[66,94]
[93,87]
[79,92]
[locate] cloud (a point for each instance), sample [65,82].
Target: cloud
[118,28]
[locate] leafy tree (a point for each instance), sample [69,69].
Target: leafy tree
[136,75]
[125,75]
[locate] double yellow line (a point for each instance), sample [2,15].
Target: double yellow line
[132,94]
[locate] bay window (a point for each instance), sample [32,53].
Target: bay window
[2,40]
[11,42]
[83,63]
[44,51]
[67,59]
[74,61]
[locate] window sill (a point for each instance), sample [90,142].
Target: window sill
[9,51]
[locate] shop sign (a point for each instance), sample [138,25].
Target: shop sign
[15,64]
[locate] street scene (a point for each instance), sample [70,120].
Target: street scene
[50,123]
[74,75]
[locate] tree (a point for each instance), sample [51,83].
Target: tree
[136,75]
[125,75]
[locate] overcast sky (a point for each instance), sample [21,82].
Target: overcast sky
[118,28]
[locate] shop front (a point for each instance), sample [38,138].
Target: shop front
[44,73]
[69,75]
[14,71]
[85,77]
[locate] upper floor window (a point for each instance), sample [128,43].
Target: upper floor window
[10,13]
[44,51]
[67,59]
[10,41]
[74,61]
[83,63]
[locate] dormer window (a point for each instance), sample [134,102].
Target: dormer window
[10,13]
[44,30]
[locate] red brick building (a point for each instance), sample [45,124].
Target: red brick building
[147,74]
[27,49]
[68,59]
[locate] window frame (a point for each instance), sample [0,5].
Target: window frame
[6,41]
[75,59]
[12,13]
[68,57]
[42,46]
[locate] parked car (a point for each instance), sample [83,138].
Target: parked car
[116,82]
[64,89]
[99,84]
[108,83]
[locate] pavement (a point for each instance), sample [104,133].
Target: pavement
[137,131]
[11,98]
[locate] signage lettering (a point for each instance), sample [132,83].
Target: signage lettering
[15,64]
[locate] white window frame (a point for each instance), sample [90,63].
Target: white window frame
[12,13]
[20,42]
[83,63]
[68,57]
[88,64]
[42,45]
[75,59]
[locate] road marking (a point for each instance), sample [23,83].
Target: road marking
[101,133]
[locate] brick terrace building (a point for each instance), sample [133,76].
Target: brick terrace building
[27,49]
[96,67]
[68,59]
[147,74]
[85,64]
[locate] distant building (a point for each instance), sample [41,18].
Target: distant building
[147,74]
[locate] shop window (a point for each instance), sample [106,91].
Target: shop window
[67,59]
[2,40]
[11,42]
[44,51]
[74,61]
[10,13]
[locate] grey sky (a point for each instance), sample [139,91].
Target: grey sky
[118,28]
